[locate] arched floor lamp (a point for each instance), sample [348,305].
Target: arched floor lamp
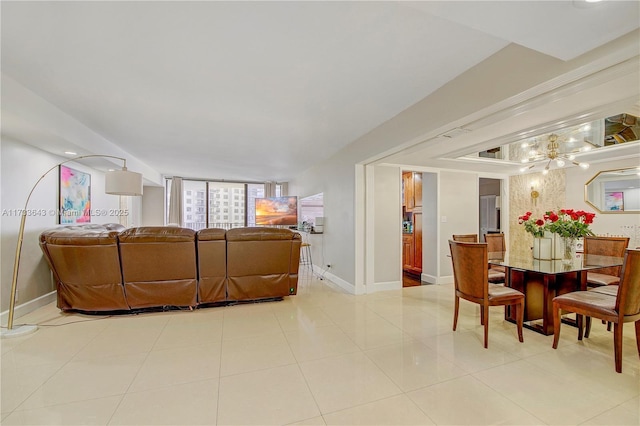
[117,182]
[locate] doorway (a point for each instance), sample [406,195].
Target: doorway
[490,206]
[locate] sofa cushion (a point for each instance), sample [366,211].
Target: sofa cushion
[155,234]
[261,234]
[211,234]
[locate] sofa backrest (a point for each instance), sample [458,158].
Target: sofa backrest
[85,264]
[212,265]
[108,268]
[262,262]
[159,266]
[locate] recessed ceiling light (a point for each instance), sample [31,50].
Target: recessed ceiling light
[71,153]
[583,4]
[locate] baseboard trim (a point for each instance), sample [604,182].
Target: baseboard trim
[30,306]
[447,279]
[427,278]
[334,279]
[384,286]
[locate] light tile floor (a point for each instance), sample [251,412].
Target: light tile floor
[322,357]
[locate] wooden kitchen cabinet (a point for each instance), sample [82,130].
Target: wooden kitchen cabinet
[407,252]
[412,247]
[417,191]
[417,243]
[407,191]
[412,191]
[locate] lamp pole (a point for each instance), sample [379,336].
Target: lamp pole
[10,332]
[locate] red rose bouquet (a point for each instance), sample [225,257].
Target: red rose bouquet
[568,223]
[533,226]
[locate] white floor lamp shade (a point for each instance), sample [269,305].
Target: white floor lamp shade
[123,182]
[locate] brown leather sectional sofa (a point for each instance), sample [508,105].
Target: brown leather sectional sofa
[100,268]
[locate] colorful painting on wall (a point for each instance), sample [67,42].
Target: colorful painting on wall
[75,196]
[614,201]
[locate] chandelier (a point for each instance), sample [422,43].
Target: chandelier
[551,151]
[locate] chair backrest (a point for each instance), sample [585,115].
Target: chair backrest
[467,238]
[628,301]
[495,242]
[470,272]
[606,246]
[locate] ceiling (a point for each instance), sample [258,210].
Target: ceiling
[262,90]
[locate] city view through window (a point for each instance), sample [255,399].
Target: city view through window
[220,204]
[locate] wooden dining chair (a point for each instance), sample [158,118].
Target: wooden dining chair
[619,309]
[605,246]
[495,244]
[470,276]
[467,238]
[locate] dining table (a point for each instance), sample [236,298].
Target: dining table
[542,280]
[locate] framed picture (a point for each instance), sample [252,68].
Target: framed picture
[614,201]
[75,196]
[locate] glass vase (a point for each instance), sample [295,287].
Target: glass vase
[569,246]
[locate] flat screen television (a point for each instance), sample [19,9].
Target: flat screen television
[277,211]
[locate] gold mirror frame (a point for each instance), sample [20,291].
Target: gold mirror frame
[631,172]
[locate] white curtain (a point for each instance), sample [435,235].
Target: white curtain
[175,202]
[284,188]
[269,189]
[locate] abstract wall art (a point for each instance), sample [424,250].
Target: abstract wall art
[75,196]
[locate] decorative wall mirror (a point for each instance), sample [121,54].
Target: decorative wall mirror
[614,191]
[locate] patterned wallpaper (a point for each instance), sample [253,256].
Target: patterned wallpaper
[551,188]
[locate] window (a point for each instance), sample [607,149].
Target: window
[219,209]
[194,203]
[206,204]
[253,191]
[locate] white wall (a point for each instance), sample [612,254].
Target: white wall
[458,214]
[153,206]
[387,229]
[430,207]
[337,183]
[625,224]
[22,166]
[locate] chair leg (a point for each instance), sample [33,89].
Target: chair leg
[556,325]
[617,345]
[579,324]
[486,325]
[481,316]
[609,326]
[587,328]
[310,258]
[520,318]
[455,313]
